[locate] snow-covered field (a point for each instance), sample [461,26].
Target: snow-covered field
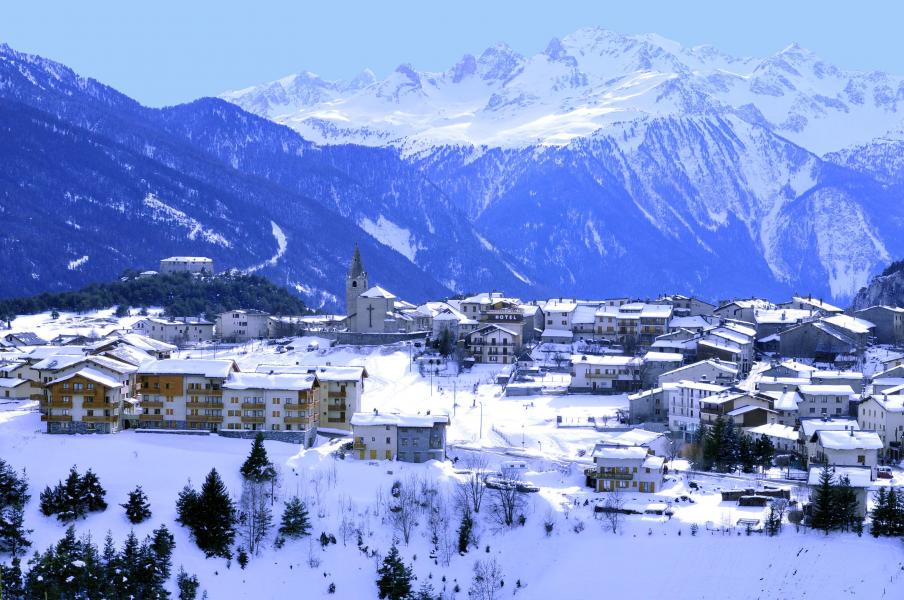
[650,556]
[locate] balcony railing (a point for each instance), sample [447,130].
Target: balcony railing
[253,405]
[336,394]
[201,405]
[251,419]
[204,418]
[56,418]
[292,420]
[101,419]
[608,475]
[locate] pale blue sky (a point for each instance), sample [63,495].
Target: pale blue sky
[167,51]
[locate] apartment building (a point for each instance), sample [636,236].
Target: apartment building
[824,400]
[183,393]
[605,374]
[884,414]
[685,401]
[493,344]
[282,405]
[242,325]
[86,401]
[175,331]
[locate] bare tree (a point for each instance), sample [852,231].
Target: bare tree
[470,491]
[441,532]
[506,500]
[613,505]
[403,507]
[256,518]
[487,581]
[347,520]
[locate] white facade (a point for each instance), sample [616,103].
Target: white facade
[685,403]
[243,325]
[187,264]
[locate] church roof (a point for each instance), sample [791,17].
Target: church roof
[377,292]
[357,267]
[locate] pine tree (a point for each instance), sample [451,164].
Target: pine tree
[187,507]
[13,535]
[395,578]
[187,585]
[708,447]
[13,487]
[161,545]
[257,467]
[822,509]
[12,585]
[845,504]
[242,558]
[879,514]
[131,569]
[746,453]
[138,509]
[109,560]
[215,520]
[464,531]
[425,592]
[91,492]
[896,512]
[765,452]
[71,505]
[50,501]
[295,522]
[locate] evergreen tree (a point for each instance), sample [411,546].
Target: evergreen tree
[13,487]
[257,467]
[764,451]
[131,568]
[138,509]
[215,521]
[187,585]
[707,448]
[896,512]
[70,496]
[295,522]
[425,592]
[747,453]
[109,570]
[13,535]
[160,560]
[50,501]
[464,531]
[822,509]
[844,504]
[187,507]
[91,492]
[395,578]
[879,514]
[12,585]
[727,450]
[242,558]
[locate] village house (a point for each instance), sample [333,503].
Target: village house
[889,322]
[810,303]
[493,344]
[818,340]
[685,401]
[786,404]
[854,379]
[147,346]
[177,330]
[687,306]
[284,406]
[187,264]
[605,374]
[884,415]
[784,438]
[242,325]
[654,442]
[650,406]
[626,468]
[884,381]
[406,438]
[848,448]
[771,322]
[86,401]
[821,400]
[655,364]
[810,427]
[742,310]
[860,479]
[22,339]
[184,393]
[705,371]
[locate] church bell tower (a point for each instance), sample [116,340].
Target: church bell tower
[355,283]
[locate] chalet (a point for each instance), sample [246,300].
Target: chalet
[86,401]
[406,438]
[629,469]
[784,438]
[493,344]
[810,427]
[705,371]
[22,339]
[605,374]
[654,442]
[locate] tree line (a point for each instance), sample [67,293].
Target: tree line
[180,294]
[724,448]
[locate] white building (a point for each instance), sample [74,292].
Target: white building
[884,415]
[187,264]
[685,402]
[629,469]
[175,331]
[605,374]
[243,325]
[848,448]
[705,371]
[824,400]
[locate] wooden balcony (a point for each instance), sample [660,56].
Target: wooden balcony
[257,419]
[254,405]
[621,476]
[336,407]
[291,420]
[60,404]
[204,405]
[203,419]
[151,403]
[143,418]
[99,405]
[336,394]
[57,418]
[101,419]
[302,406]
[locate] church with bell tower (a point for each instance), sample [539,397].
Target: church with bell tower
[368,309]
[355,282]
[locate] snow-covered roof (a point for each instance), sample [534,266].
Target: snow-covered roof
[785,432]
[129,354]
[377,292]
[811,426]
[631,437]
[849,440]
[645,393]
[266,381]
[704,387]
[849,323]
[323,372]
[557,333]
[653,462]
[819,304]
[784,400]
[719,365]
[836,375]
[584,314]
[90,374]
[562,307]
[605,360]
[825,389]
[782,315]
[12,382]
[188,366]
[746,409]
[619,452]
[57,362]
[859,477]
[366,419]
[694,322]
[662,357]
[890,403]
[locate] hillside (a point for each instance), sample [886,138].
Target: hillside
[180,294]
[885,289]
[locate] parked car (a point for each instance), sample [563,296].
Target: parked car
[884,473]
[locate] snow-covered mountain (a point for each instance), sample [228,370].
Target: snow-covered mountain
[650,166]
[590,80]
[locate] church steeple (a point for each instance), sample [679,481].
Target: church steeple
[355,283]
[357,267]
